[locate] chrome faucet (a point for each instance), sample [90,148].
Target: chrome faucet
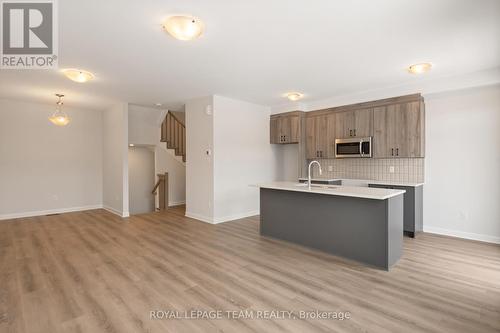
[309,172]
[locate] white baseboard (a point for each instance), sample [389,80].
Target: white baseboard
[116,212]
[199,217]
[176,203]
[462,234]
[220,219]
[235,216]
[48,212]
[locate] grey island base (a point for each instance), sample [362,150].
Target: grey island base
[362,229]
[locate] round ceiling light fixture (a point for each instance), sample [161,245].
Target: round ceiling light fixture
[294,96]
[184,27]
[78,75]
[59,118]
[420,68]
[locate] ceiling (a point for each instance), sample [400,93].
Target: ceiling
[258,50]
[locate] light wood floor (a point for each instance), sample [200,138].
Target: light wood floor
[94,272]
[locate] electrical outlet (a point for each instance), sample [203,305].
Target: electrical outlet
[330,168]
[391,169]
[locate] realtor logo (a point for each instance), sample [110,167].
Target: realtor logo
[29,34]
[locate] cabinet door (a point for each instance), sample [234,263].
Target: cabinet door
[410,140]
[294,129]
[322,136]
[363,123]
[285,129]
[331,135]
[311,151]
[344,124]
[275,130]
[398,130]
[384,131]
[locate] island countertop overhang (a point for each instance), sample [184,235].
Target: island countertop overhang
[336,190]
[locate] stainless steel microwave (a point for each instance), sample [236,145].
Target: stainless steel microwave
[353,147]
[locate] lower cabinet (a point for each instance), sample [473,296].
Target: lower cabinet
[412,205]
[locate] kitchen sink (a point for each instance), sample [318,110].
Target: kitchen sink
[325,186]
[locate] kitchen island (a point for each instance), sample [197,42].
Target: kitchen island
[359,223]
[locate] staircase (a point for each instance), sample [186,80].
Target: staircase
[173,132]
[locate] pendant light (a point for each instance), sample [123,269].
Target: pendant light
[59,118]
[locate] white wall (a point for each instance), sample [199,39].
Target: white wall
[115,159]
[45,168]
[242,156]
[462,190]
[143,125]
[141,163]
[218,185]
[144,129]
[199,165]
[287,159]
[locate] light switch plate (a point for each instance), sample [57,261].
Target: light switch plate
[391,169]
[330,168]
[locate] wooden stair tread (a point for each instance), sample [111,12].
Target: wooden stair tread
[173,133]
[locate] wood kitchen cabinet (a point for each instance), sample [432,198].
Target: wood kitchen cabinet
[354,123]
[285,128]
[396,125]
[320,136]
[399,130]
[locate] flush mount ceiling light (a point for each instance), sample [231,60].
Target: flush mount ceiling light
[420,68]
[59,118]
[78,75]
[294,96]
[184,27]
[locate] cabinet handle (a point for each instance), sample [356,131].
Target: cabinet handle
[354,132]
[350,132]
[392,151]
[320,153]
[397,151]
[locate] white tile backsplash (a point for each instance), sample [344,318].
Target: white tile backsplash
[405,169]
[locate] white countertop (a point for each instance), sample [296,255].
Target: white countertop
[346,191]
[369,181]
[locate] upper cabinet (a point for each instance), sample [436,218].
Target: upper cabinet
[285,128]
[320,136]
[354,123]
[396,125]
[399,130]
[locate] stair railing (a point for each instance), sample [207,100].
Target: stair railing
[161,189]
